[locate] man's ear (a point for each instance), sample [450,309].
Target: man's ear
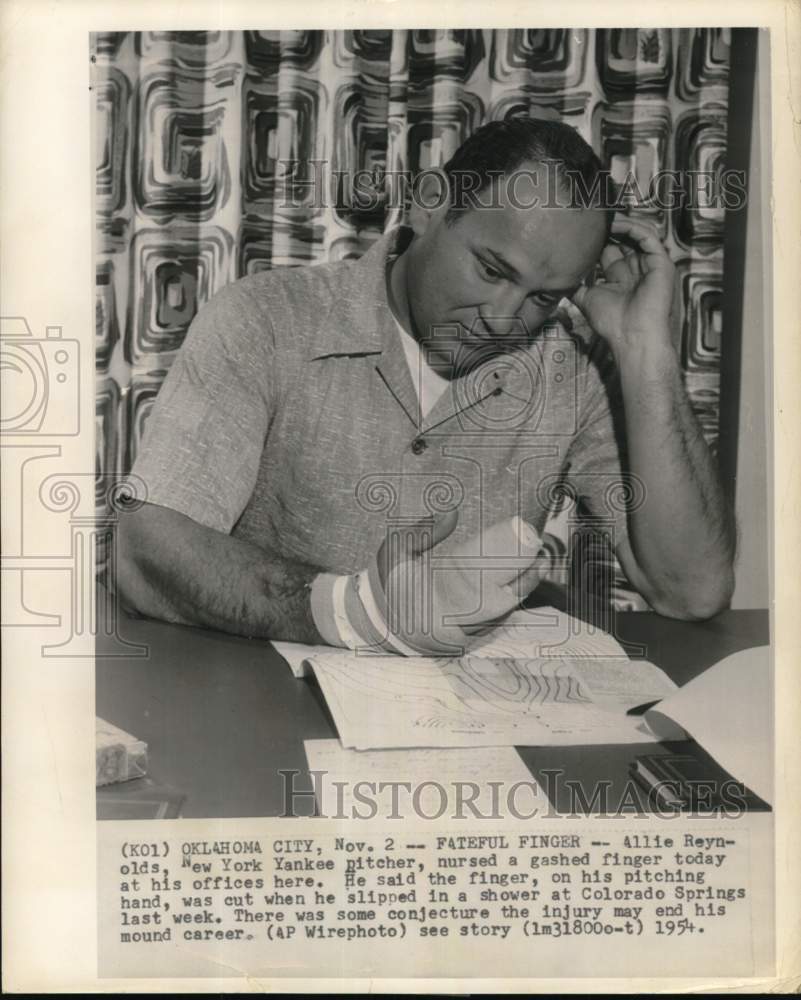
[430,199]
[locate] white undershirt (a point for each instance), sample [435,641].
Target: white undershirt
[428,384]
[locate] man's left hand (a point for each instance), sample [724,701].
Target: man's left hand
[631,306]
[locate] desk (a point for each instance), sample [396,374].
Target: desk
[223,715]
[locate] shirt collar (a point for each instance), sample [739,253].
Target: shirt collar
[361,321]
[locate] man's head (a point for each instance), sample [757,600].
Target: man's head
[512,224]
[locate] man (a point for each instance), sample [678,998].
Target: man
[363,453]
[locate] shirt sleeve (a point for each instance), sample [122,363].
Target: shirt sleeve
[204,437]
[598,463]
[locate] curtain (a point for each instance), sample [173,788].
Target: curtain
[223,153]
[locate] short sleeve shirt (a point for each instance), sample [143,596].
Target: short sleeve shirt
[289,419]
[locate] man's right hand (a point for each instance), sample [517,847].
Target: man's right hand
[414,600]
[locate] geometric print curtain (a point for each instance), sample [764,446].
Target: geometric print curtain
[219,154]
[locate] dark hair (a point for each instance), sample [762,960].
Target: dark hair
[499,148]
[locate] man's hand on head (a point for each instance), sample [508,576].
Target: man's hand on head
[630,307]
[681,539]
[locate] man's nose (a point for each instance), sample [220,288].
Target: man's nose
[503,316]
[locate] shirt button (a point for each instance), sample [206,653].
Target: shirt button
[418,446]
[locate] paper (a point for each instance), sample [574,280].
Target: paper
[542,678]
[378,702]
[546,632]
[297,655]
[727,709]
[540,632]
[434,776]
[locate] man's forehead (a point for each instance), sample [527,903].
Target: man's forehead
[553,238]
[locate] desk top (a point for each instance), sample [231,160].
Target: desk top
[222,715]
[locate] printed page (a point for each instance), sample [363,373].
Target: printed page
[475,701]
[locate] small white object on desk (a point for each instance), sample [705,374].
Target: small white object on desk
[119,756]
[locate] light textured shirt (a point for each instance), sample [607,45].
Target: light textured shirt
[289,419]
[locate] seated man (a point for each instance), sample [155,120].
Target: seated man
[365,453]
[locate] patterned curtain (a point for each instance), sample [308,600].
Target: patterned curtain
[197,134]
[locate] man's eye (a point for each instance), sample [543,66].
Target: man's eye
[488,271]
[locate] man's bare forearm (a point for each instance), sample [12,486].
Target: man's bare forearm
[683,536]
[176,570]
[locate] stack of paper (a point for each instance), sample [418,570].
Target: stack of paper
[540,679]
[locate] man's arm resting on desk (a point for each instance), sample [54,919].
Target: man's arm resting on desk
[172,568]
